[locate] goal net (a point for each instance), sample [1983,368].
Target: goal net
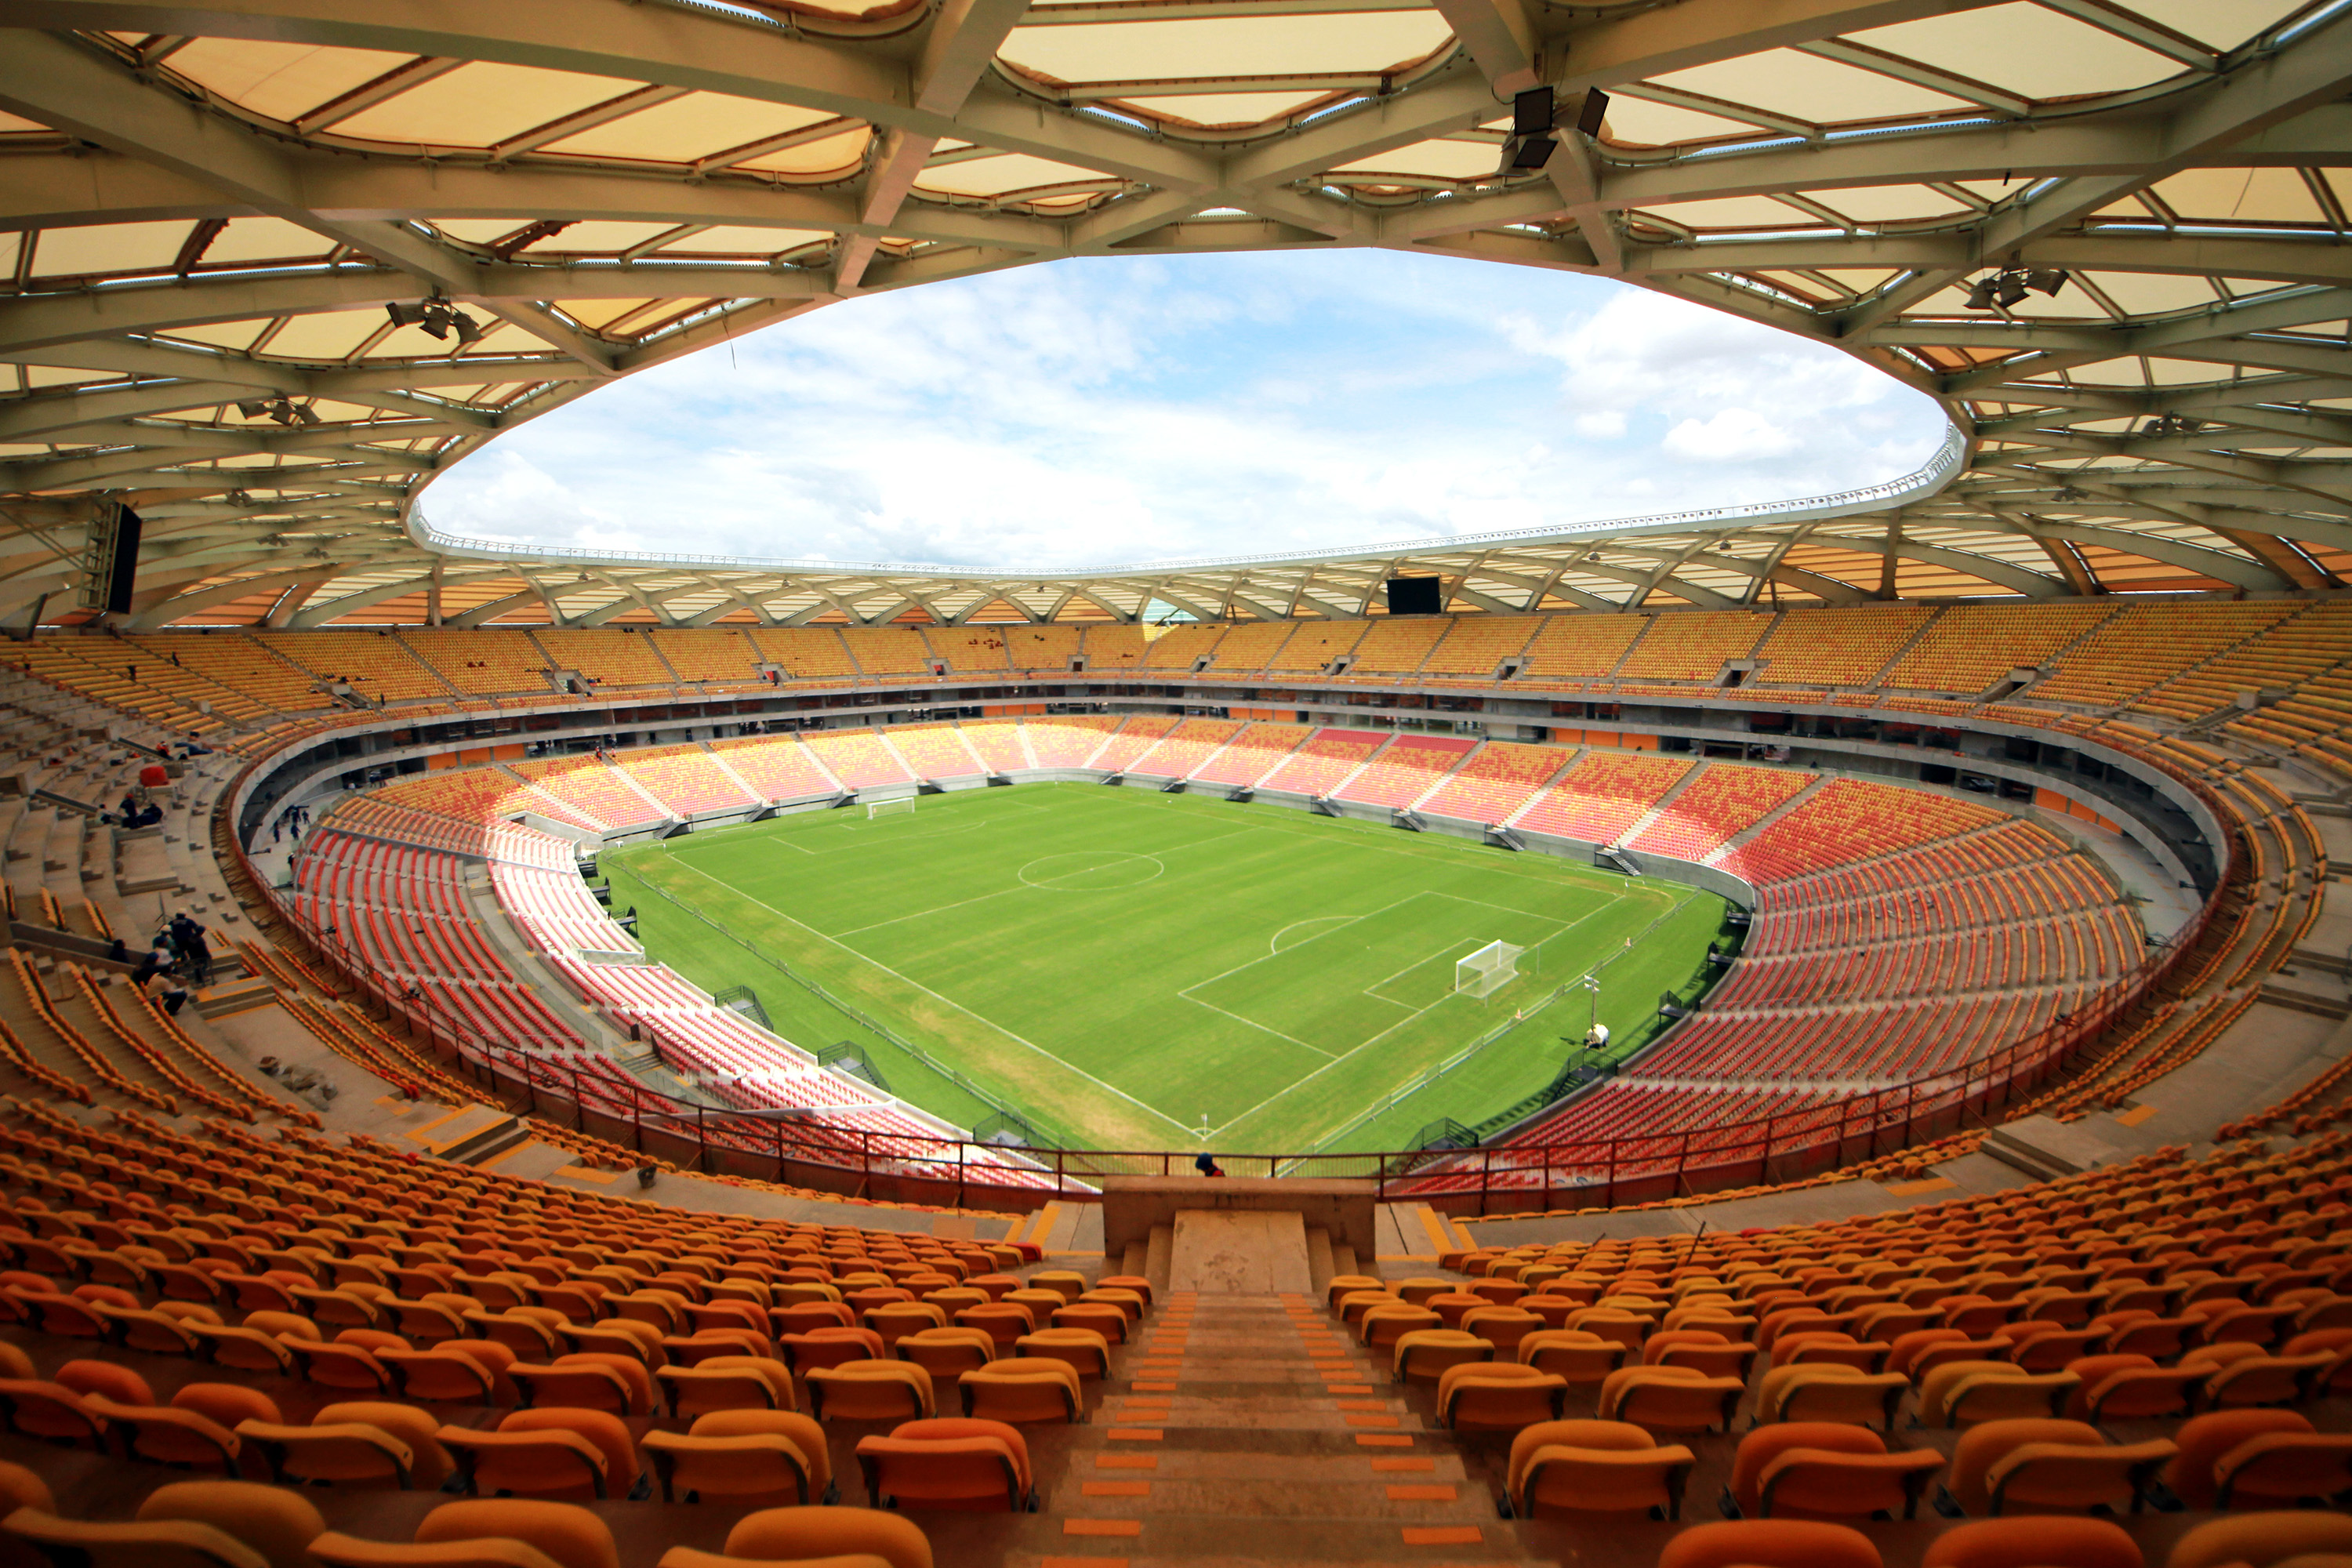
[1486,971]
[889,808]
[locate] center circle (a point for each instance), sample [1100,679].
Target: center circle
[1090,871]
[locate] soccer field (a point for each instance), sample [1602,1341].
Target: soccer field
[1127,968]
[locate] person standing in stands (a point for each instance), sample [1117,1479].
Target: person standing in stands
[194,950]
[1206,1164]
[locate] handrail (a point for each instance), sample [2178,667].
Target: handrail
[1924,482]
[916,1168]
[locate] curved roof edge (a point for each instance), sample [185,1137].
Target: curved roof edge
[1940,470]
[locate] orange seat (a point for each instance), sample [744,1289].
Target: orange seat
[1820,1469]
[871,1390]
[728,1382]
[275,1522]
[742,1453]
[1499,1396]
[1670,1398]
[1082,1349]
[1579,1469]
[547,1453]
[2034,1543]
[861,1535]
[1769,1543]
[2260,1539]
[2050,1467]
[949,1463]
[1022,1391]
[2284,1469]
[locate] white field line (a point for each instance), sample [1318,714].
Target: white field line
[989,1022]
[1253,1023]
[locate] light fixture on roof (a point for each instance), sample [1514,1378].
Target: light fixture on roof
[1535,122]
[437,316]
[282,409]
[2008,286]
[2173,424]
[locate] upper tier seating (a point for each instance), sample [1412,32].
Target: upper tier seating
[609,655]
[1969,646]
[497,665]
[1313,648]
[1251,645]
[1475,644]
[1180,648]
[1693,646]
[1398,645]
[2149,645]
[1048,650]
[1837,647]
[887,651]
[376,665]
[1572,647]
[712,655]
[807,653]
[968,650]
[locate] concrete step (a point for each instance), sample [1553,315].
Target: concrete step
[2279,996]
[1318,1260]
[1158,1254]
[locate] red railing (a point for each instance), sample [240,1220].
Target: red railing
[902,1167]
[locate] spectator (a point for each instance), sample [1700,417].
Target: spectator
[1206,1164]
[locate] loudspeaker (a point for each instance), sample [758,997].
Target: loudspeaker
[125,564]
[110,559]
[1416,596]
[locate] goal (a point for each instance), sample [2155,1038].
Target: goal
[1486,971]
[889,808]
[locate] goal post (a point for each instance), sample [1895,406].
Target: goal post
[875,808]
[1486,971]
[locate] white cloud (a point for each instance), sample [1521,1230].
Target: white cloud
[1102,411]
[1733,435]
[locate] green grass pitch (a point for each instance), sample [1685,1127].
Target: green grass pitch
[1126,967]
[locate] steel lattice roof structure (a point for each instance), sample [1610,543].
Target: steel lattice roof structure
[209,205]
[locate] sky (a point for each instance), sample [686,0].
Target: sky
[1100,411]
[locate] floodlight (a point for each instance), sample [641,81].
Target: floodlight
[405,315]
[303,412]
[469,334]
[436,323]
[253,407]
[1531,112]
[1524,156]
[1593,111]
[2011,289]
[2045,280]
[1981,297]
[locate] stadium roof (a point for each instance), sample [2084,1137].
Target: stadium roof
[209,208]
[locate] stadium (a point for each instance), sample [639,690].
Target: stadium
[1794,1033]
